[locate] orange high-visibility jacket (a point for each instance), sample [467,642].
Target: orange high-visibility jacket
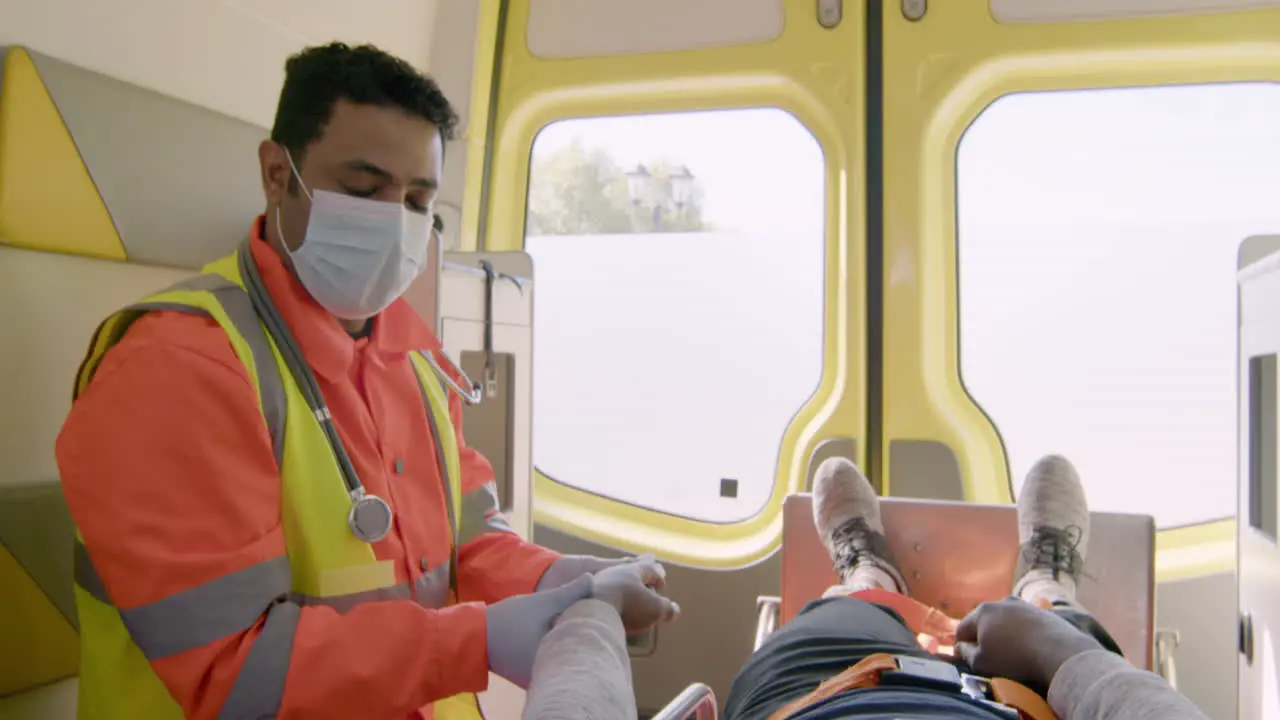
[171,477]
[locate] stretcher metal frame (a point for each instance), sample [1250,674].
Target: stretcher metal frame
[697,701]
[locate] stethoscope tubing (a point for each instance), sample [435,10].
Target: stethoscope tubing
[291,353]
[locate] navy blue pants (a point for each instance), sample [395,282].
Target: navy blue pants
[828,637]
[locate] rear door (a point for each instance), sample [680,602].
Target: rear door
[1259,568]
[687,177]
[1065,187]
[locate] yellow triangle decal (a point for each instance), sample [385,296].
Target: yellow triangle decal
[48,200]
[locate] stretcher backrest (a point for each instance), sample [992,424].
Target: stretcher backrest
[956,556]
[107,192]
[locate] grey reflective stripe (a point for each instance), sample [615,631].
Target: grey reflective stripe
[426,590]
[196,617]
[258,691]
[214,610]
[432,589]
[86,575]
[239,308]
[442,463]
[480,514]
[236,304]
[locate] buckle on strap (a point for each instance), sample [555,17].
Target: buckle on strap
[923,673]
[1005,697]
[943,676]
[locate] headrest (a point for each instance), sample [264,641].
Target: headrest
[94,166]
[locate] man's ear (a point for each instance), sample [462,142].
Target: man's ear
[276,171]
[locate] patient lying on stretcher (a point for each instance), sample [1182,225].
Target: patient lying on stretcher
[860,651]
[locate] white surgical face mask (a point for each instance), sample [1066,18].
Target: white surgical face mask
[359,255]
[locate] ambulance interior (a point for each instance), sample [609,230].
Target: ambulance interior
[692,248]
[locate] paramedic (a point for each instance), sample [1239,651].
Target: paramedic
[228,564]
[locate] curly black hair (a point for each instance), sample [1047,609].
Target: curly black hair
[318,77]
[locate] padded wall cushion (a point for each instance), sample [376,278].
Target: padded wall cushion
[91,165]
[47,702]
[52,302]
[93,171]
[49,307]
[37,532]
[47,199]
[40,647]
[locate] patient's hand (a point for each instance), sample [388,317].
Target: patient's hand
[1016,640]
[632,589]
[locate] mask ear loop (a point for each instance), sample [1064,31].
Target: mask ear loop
[296,174]
[305,191]
[471,393]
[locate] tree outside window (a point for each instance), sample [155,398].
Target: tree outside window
[583,191]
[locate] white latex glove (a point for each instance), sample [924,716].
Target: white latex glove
[515,627]
[571,567]
[632,589]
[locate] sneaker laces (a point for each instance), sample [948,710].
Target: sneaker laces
[1055,549]
[854,543]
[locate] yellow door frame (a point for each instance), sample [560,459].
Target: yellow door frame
[940,73]
[794,72]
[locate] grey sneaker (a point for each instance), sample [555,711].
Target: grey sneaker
[846,512]
[1053,534]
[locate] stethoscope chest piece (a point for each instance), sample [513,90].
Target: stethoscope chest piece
[369,517]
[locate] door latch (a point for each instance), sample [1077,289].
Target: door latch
[830,13]
[915,10]
[490,371]
[1246,637]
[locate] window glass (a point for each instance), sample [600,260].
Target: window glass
[1098,233]
[678,319]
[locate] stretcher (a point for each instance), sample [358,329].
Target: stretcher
[957,555]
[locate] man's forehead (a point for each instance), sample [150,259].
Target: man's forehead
[386,137]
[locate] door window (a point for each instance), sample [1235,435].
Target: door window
[1097,241]
[678,321]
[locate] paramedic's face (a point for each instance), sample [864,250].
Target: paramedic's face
[366,151]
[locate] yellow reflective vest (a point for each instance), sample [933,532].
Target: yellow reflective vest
[326,563]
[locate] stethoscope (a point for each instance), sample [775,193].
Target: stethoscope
[370,516]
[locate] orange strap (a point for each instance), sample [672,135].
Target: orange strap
[935,630]
[866,673]
[863,675]
[1026,701]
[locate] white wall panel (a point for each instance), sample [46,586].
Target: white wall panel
[227,55]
